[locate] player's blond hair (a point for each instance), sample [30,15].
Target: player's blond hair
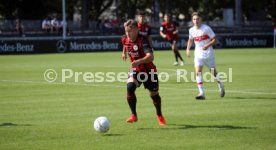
[130,24]
[196,14]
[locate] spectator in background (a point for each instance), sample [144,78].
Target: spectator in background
[115,25]
[55,25]
[46,25]
[99,26]
[19,27]
[60,27]
[107,27]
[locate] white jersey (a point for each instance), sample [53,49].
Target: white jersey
[46,24]
[202,36]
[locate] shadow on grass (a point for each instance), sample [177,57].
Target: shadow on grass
[110,134]
[227,127]
[184,127]
[9,124]
[260,98]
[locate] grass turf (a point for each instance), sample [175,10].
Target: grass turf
[35,114]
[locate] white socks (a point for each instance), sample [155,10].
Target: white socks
[220,85]
[200,84]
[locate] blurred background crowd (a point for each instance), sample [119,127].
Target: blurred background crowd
[105,17]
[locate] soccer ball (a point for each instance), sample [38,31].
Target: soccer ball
[101,124]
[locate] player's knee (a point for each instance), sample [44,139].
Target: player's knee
[153,93]
[175,49]
[131,87]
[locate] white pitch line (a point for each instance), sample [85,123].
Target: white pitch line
[227,91]
[60,83]
[167,69]
[118,86]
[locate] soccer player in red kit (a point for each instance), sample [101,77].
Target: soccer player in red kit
[142,69]
[143,26]
[169,31]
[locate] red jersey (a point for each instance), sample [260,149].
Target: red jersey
[144,29]
[169,28]
[137,50]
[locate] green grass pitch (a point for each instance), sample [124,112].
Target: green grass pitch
[35,114]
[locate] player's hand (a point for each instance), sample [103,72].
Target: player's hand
[124,57]
[164,36]
[205,47]
[135,63]
[188,53]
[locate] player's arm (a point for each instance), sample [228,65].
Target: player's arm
[162,33]
[175,30]
[124,55]
[147,59]
[212,42]
[149,55]
[189,45]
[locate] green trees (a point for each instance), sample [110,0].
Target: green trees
[37,9]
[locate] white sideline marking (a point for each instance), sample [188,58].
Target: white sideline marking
[59,83]
[111,85]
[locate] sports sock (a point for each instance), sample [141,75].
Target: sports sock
[156,99]
[200,84]
[178,55]
[131,99]
[220,85]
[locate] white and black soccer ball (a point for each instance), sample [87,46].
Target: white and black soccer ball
[101,124]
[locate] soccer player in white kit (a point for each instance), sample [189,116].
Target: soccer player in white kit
[204,39]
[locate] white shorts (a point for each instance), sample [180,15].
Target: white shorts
[210,62]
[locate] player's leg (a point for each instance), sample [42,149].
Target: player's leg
[174,52]
[156,99]
[220,84]
[177,53]
[153,87]
[199,80]
[211,64]
[132,83]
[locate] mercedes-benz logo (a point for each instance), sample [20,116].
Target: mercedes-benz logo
[61,46]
